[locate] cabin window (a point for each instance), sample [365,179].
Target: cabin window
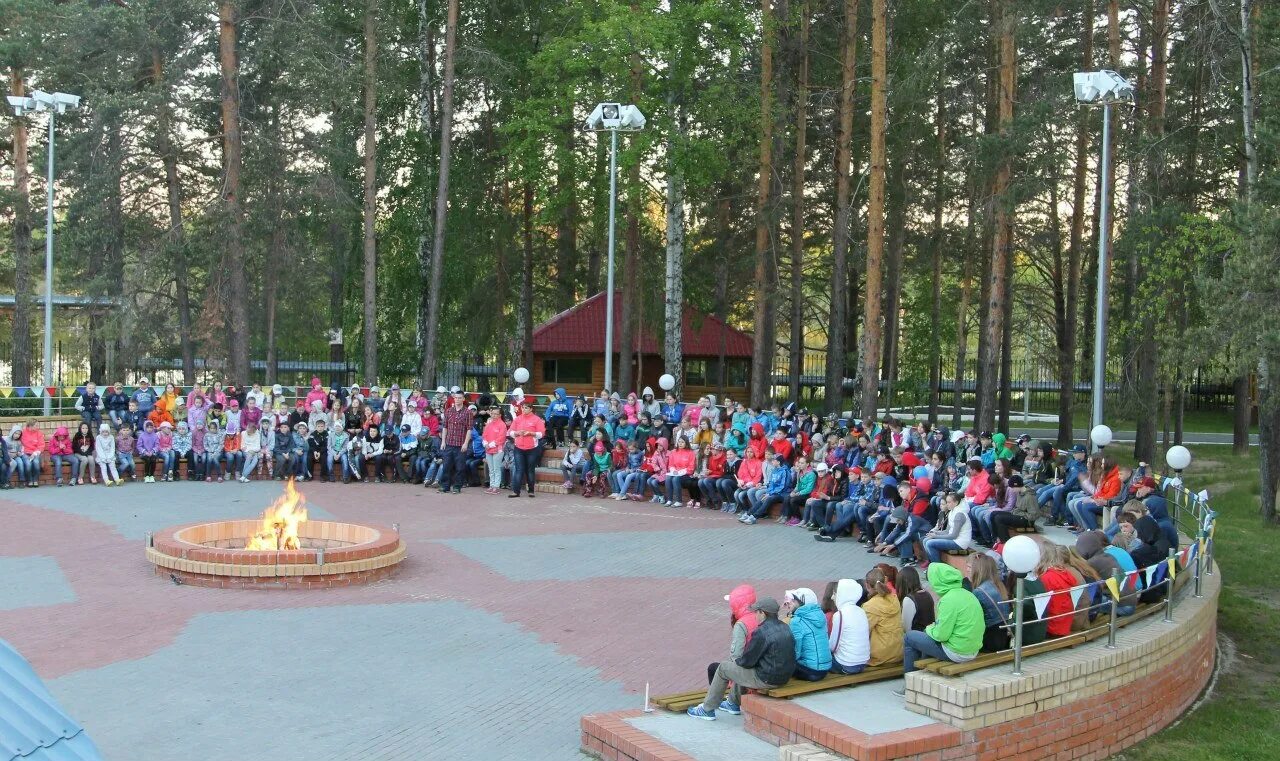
[567,370]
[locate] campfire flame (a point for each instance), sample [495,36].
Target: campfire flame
[280,522]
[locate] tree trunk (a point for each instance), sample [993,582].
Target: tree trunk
[429,370]
[567,221]
[1240,417]
[836,326]
[426,236]
[869,355]
[232,159]
[21,242]
[631,258]
[1067,335]
[1268,438]
[962,344]
[370,316]
[935,302]
[1003,25]
[724,237]
[525,319]
[893,281]
[174,235]
[673,343]
[599,220]
[797,218]
[762,335]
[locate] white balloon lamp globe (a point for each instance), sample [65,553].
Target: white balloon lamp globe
[1021,554]
[667,382]
[521,375]
[1178,458]
[1100,436]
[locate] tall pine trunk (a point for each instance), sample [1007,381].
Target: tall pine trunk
[567,220]
[1241,412]
[989,353]
[21,241]
[836,326]
[1067,335]
[370,314]
[232,160]
[174,235]
[893,280]
[429,370]
[762,335]
[673,343]
[525,318]
[631,257]
[426,236]
[797,216]
[869,353]
[935,302]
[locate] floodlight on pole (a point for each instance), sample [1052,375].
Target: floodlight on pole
[1102,88]
[52,103]
[612,118]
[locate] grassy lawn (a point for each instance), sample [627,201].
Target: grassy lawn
[1240,720]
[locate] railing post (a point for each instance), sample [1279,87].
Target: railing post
[1168,597]
[1198,570]
[1019,595]
[1115,605]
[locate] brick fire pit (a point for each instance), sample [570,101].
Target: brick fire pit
[331,554]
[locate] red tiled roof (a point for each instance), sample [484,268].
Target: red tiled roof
[581,330]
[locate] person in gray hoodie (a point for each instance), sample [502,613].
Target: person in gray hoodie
[181,450]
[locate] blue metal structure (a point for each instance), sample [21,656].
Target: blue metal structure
[32,725]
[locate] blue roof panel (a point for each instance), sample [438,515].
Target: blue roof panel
[32,725]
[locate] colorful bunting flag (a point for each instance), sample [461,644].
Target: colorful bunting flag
[1114,588]
[1076,593]
[6,391]
[1173,569]
[1041,603]
[22,391]
[71,391]
[501,396]
[52,391]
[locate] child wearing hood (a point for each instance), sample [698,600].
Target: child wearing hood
[82,451]
[164,451]
[336,455]
[956,634]
[850,630]
[148,446]
[60,452]
[809,629]
[104,450]
[182,446]
[125,446]
[656,465]
[250,449]
[742,622]
[6,461]
[231,452]
[213,442]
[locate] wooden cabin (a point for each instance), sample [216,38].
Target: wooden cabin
[568,352]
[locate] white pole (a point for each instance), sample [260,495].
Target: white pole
[1100,314]
[48,281]
[608,294]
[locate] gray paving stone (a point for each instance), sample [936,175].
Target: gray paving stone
[721,740]
[749,552]
[870,708]
[32,581]
[378,682]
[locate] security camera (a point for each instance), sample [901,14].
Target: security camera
[66,102]
[21,106]
[631,118]
[605,116]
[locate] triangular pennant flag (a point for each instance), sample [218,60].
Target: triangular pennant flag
[72,391]
[22,391]
[1114,588]
[52,391]
[1041,602]
[1184,557]
[1159,572]
[6,391]
[1076,592]
[500,395]
[1095,593]
[1173,569]
[1212,527]
[1147,574]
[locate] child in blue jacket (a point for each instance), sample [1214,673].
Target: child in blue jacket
[776,489]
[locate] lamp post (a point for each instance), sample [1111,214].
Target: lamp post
[612,118]
[53,103]
[1102,88]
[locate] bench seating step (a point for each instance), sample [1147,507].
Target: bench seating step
[833,681]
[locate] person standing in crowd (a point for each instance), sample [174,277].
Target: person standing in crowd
[526,431]
[457,433]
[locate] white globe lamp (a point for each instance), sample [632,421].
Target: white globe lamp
[521,375]
[667,382]
[1178,458]
[1021,554]
[1100,436]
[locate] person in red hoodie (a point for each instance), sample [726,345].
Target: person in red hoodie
[1057,579]
[978,490]
[60,452]
[756,441]
[711,475]
[742,621]
[33,446]
[750,475]
[782,445]
[681,464]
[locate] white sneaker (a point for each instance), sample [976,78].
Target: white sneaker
[675,504]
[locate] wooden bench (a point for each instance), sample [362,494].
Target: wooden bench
[683,701]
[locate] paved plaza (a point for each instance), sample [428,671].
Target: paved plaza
[508,620]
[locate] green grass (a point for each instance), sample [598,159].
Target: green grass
[1240,719]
